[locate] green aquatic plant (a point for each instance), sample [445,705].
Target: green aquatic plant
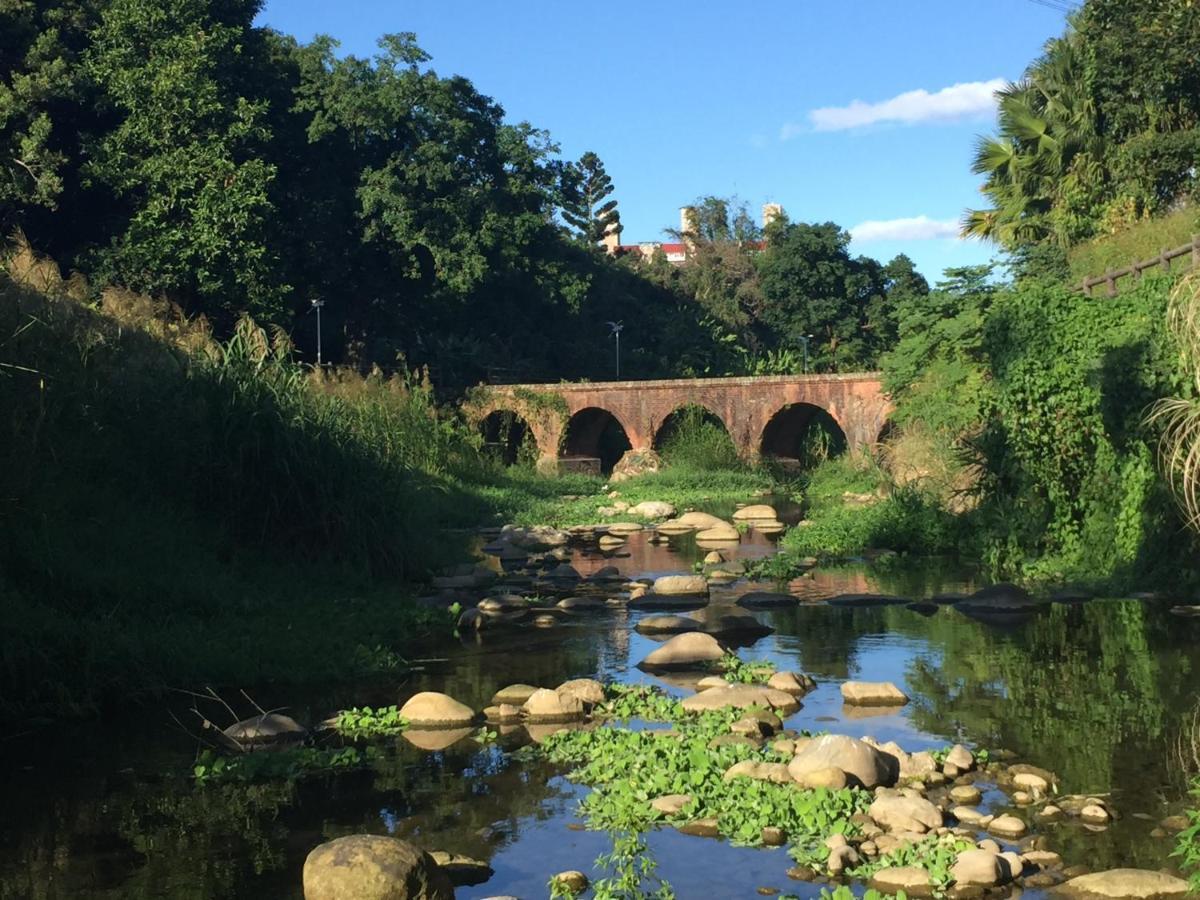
[1187,844]
[271,765]
[628,769]
[640,701]
[935,855]
[755,671]
[365,722]
[634,872]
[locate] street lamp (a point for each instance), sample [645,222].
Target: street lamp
[317,304]
[616,333]
[806,338]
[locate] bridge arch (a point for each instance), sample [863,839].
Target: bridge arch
[596,433]
[508,437]
[692,413]
[803,434]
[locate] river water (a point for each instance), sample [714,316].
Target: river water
[1095,691]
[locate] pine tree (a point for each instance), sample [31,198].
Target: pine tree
[585,185]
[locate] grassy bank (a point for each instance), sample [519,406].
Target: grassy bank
[178,511]
[1140,241]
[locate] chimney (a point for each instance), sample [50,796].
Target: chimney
[612,240]
[688,224]
[770,212]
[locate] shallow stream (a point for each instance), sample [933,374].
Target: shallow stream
[1094,691]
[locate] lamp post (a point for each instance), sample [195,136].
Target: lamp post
[616,333]
[806,338]
[317,304]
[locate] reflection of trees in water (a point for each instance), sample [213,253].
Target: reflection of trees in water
[154,839]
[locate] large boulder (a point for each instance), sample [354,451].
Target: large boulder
[981,868]
[635,463]
[742,696]
[553,706]
[653,509]
[698,521]
[670,585]
[588,690]
[533,537]
[724,532]
[684,651]
[1125,884]
[774,772]
[873,693]
[912,880]
[514,694]
[867,765]
[430,709]
[901,813]
[758,511]
[372,867]
[268,728]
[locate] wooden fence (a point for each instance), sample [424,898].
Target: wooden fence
[1162,261]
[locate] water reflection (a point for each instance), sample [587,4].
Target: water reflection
[1091,691]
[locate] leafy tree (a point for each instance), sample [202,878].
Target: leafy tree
[811,285]
[585,207]
[184,160]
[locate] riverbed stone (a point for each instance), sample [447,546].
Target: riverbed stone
[670,804]
[961,758]
[515,694]
[671,585]
[724,532]
[268,728]
[790,682]
[685,651]
[831,778]
[589,691]
[667,625]
[698,521]
[865,764]
[1124,884]
[533,537]
[730,624]
[966,794]
[776,773]
[1007,827]
[873,693]
[373,867]
[711,681]
[766,600]
[901,812]
[979,867]
[462,870]
[544,706]
[910,879]
[757,511]
[653,509]
[1094,814]
[430,709]
[573,880]
[742,696]
[968,815]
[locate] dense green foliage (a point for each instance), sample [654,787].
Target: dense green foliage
[1187,845]
[1102,130]
[173,147]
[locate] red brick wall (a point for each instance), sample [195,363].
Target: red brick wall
[745,405]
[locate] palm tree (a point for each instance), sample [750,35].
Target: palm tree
[1045,121]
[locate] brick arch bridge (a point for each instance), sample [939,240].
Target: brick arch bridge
[753,409]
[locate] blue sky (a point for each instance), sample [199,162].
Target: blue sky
[861,112]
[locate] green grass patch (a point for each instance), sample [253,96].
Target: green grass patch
[1141,241]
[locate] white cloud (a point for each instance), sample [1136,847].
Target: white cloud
[918,228]
[971,99]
